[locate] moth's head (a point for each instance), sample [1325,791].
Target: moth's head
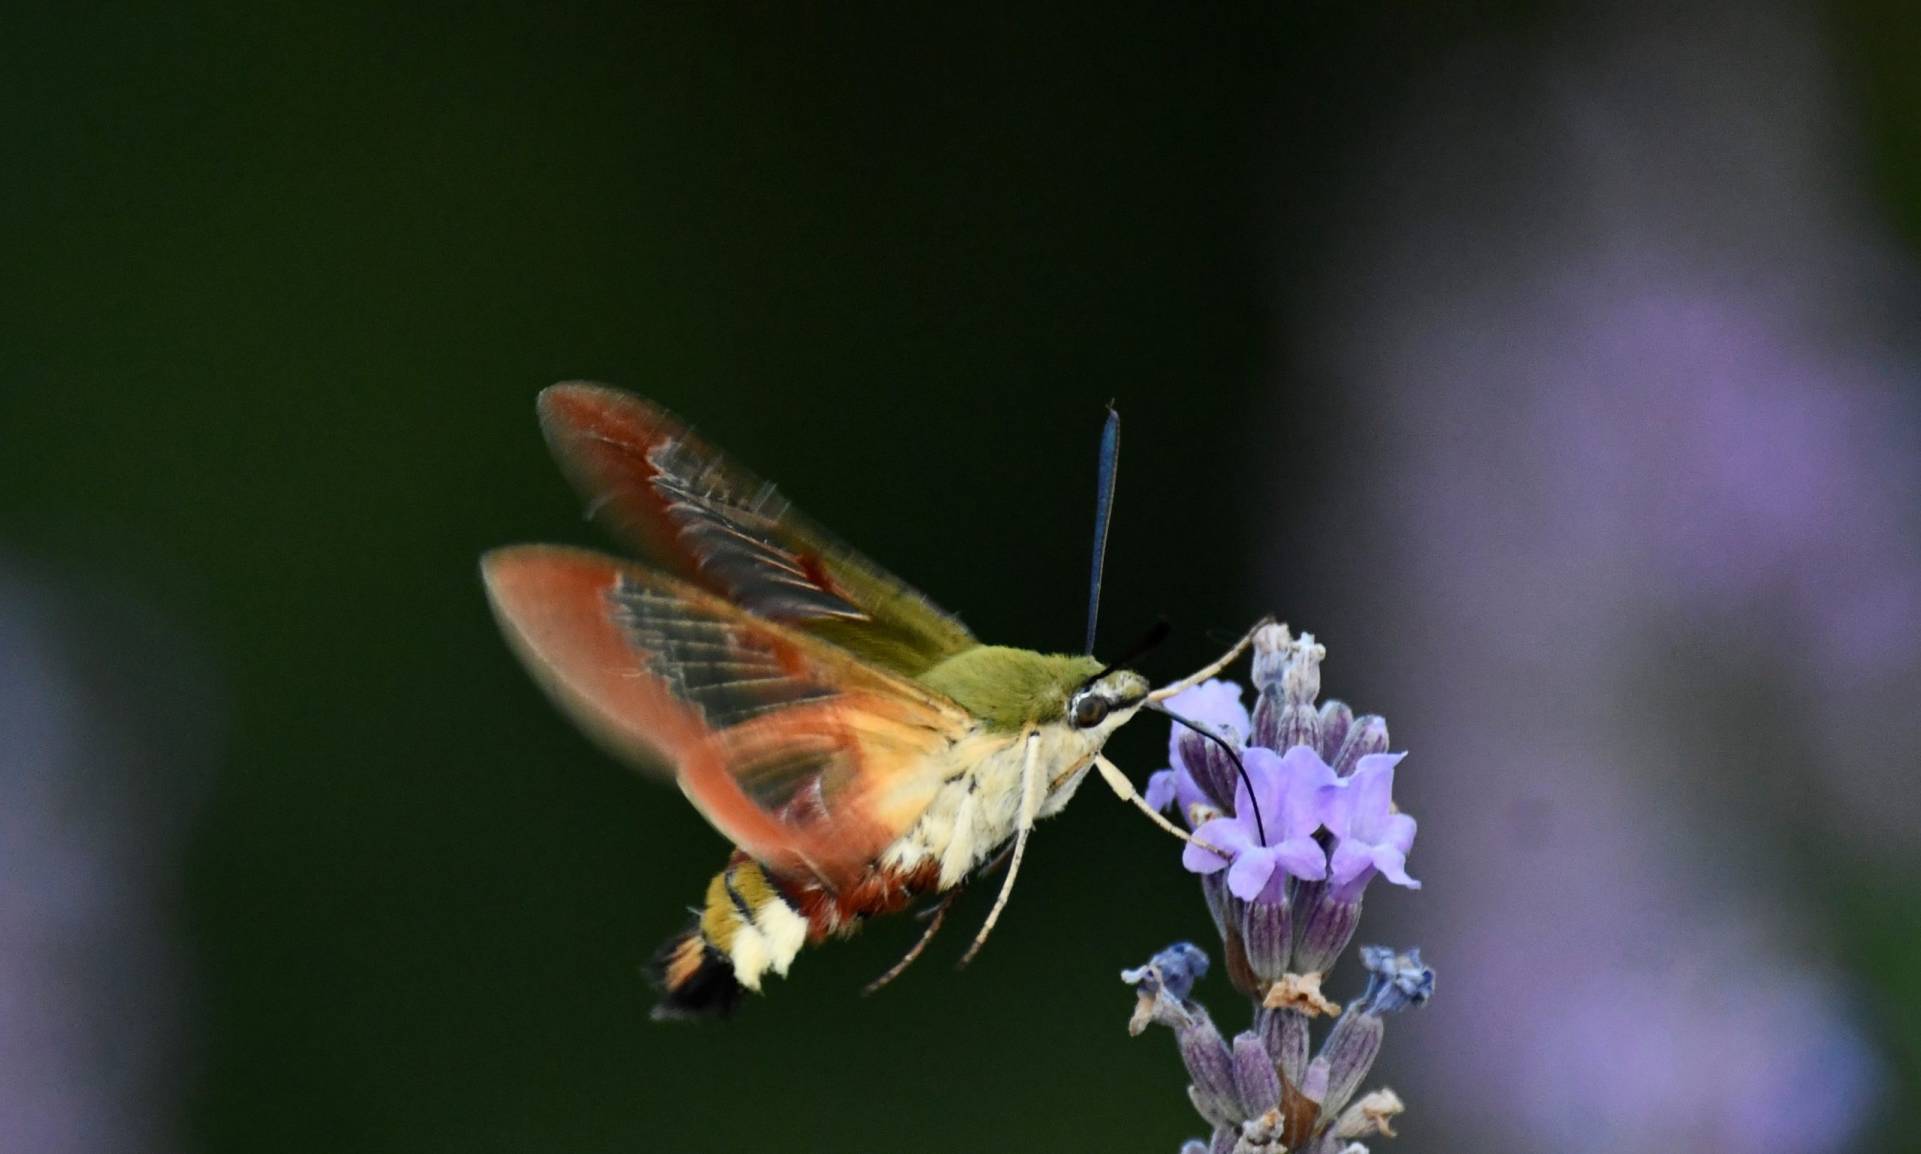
[1101,703]
[1010,689]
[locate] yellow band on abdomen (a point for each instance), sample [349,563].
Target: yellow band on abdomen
[746,919]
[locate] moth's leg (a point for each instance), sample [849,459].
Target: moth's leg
[938,916]
[1024,825]
[998,862]
[1124,789]
[1214,669]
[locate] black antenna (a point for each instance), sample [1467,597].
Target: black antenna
[1253,802]
[1149,642]
[1103,513]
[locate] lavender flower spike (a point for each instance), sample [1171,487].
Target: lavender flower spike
[1287,790]
[1292,843]
[1370,837]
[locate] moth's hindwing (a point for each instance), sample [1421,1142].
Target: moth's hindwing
[805,756]
[711,522]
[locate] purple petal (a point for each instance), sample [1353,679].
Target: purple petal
[1351,859]
[1250,871]
[1383,760]
[1225,834]
[1304,763]
[1302,776]
[1373,785]
[1229,835]
[1196,860]
[1302,857]
[1397,833]
[1275,891]
[1335,806]
[1160,790]
[1187,794]
[1393,866]
[1264,770]
[1215,704]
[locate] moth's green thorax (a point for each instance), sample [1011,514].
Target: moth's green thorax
[1010,688]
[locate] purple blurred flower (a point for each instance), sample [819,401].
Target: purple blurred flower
[1285,807]
[108,720]
[1370,837]
[1616,439]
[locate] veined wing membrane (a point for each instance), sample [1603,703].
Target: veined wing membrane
[802,755]
[714,523]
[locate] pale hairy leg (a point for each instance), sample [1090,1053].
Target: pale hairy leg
[1124,789]
[1030,806]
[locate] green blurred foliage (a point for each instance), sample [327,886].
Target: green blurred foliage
[283,283]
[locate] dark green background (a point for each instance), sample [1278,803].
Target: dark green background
[282,283]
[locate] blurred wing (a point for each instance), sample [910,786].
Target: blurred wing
[804,757]
[714,523]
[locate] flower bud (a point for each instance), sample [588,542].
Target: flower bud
[1285,1034]
[1255,1081]
[1268,711]
[1336,720]
[1210,767]
[1267,933]
[1349,1052]
[1300,725]
[1366,735]
[1193,1146]
[1326,924]
[1211,1065]
[1287,673]
[1301,679]
[1273,649]
[1286,1037]
[1281,725]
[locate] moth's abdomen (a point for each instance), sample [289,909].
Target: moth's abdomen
[695,979]
[746,928]
[752,924]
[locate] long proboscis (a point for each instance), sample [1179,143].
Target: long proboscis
[1233,755]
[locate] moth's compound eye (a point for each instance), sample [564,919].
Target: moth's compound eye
[1087,710]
